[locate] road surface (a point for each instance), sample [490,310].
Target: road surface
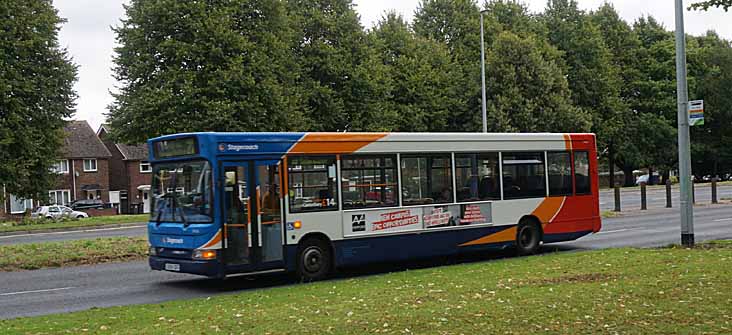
[630,201]
[63,290]
[131,231]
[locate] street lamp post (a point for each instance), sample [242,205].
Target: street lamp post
[482,73]
[685,201]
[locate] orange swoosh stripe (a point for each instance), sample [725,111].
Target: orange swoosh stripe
[216,239]
[548,209]
[501,236]
[334,142]
[568,142]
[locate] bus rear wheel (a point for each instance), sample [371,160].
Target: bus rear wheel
[528,237]
[314,260]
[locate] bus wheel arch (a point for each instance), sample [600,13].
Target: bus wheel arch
[315,257]
[529,235]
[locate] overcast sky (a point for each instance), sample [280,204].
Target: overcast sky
[89,39]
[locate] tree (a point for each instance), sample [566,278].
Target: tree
[528,91]
[420,76]
[340,82]
[594,82]
[36,83]
[624,46]
[456,24]
[712,142]
[204,66]
[704,5]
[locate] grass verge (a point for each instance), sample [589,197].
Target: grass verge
[42,224]
[617,291]
[33,256]
[609,214]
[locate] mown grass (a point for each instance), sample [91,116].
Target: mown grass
[33,256]
[42,224]
[618,291]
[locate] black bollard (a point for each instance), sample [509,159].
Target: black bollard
[714,190]
[643,196]
[668,193]
[617,198]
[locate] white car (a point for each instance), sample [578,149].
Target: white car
[57,211]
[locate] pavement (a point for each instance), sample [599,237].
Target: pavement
[61,290]
[656,196]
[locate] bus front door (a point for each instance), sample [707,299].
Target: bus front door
[253,212]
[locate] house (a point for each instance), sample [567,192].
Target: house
[129,172]
[84,168]
[13,206]
[83,172]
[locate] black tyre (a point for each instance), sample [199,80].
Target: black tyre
[314,260]
[528,237]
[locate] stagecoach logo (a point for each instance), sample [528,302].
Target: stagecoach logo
[358,222]
[172,240]
[238,147]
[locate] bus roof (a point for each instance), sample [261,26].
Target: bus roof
[316,142]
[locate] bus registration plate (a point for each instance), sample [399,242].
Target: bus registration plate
[172,267]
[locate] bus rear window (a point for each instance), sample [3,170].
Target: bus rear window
[178,147]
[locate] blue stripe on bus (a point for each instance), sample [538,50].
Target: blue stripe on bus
[412,246]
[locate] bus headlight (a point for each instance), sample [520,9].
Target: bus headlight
[204,254]
[153,251]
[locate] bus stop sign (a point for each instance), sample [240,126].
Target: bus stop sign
[696,113]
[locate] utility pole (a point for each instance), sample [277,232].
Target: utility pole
[482,72]
[687,210]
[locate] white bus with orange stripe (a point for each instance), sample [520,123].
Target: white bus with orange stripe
[226,203]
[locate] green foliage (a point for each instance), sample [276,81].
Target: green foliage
[308,65]
[594,82]
[704,5]
[340,81]
[711,143]
[420,91]
[36,88]
[527,90]
[204,66]
[456,24]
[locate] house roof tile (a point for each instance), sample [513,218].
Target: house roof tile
[133,152]
[82,142]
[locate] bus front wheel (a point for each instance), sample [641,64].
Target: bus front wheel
[528,237]
[314,260]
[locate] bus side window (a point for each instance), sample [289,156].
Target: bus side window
[559,165]
[368,181]
[523,175]
[476,177]
[582,172]
[312,183]
[426,179]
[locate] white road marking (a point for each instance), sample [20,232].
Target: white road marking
[71,232]
[720,220]
[614,231]
[37,291]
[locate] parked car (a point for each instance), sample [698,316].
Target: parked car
[644,179]
[87,203]
[56,212]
